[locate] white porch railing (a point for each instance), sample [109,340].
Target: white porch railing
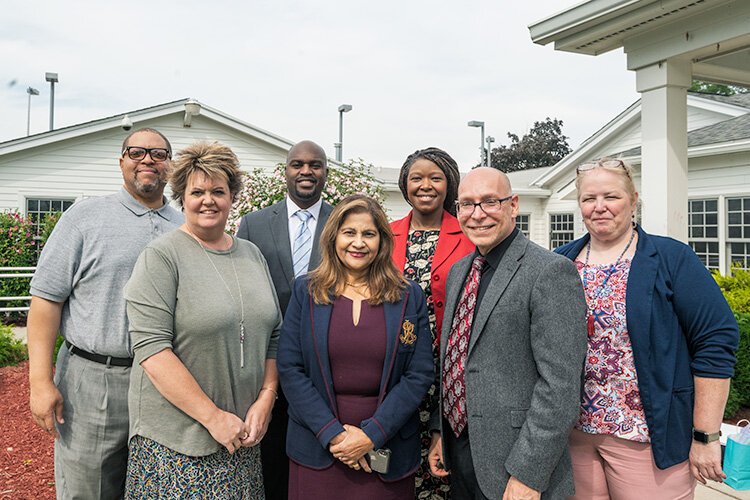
[15,272]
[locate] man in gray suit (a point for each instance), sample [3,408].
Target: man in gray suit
[287,234]
[511,358]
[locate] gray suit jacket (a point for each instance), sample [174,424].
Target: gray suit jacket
[269,230]
[524,368]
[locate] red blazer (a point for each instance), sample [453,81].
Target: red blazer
[452,246]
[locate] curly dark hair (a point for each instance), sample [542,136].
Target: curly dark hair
[445,162]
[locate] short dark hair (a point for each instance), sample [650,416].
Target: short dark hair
[446,163]
[146,129]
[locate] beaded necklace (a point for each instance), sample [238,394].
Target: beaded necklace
[239,290]
[598,292]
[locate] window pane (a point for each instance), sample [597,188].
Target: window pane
[734,204]
[712,232]
[712,205]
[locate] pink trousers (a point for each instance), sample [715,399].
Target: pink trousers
[607,467]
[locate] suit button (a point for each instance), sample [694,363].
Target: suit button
[439,304]
[436,278]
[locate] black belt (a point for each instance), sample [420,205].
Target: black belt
[98,358]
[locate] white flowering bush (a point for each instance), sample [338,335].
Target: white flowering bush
[262,189]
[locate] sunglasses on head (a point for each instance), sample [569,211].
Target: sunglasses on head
[610,164]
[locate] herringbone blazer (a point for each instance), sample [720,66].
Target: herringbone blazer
[524,367]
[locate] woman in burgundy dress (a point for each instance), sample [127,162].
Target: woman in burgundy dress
[355,362]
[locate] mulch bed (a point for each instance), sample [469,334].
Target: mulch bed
[26,464]
[26,459]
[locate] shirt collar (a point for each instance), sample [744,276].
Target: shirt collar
[292,208]
[496,254]
[129,202]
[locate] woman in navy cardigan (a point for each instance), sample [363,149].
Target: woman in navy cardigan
[661,352]
[354,360]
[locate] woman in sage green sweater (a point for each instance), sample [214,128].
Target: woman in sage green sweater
[204,324]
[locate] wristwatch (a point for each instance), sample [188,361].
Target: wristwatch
[705,437]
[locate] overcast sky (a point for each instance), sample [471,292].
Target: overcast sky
[414,71]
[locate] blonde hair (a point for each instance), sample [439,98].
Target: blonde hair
[623,169]
[213,159]
[329,279]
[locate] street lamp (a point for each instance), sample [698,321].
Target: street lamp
[52,79]
[475,123]
[31,92]
[490,140]
[344,108]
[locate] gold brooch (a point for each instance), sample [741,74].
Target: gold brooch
[407,335]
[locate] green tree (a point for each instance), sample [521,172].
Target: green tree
[542,146]
[716,88]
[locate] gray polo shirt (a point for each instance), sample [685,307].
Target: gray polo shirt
[88,260]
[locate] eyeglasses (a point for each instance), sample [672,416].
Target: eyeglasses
[611,164]
[139,153]
[488,206]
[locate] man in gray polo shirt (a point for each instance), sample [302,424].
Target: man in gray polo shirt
[78,291]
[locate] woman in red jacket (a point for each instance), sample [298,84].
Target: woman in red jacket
[426,244]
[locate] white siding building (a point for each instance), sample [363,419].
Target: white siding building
[718,180]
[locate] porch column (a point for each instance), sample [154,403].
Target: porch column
[663,87]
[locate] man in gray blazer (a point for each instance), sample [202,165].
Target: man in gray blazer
[287,234]
[511,358]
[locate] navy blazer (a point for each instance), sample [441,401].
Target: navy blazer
[305,375]
[680,327]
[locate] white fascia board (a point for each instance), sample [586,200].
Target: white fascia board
[580,153]
[245,127]
[724,108]
[86,128]
[573,20]
[697,36]
[532,193]
[740,146]
[609,29]
[721,74]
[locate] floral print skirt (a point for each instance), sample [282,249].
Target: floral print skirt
[155,471]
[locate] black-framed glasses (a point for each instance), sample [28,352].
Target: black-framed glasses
[608,163]
[139,153]
[488,206]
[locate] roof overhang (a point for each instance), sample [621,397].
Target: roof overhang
[183,106]
[713,34]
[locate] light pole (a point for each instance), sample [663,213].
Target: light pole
[31,92]
[490,140]
[479,124]
[344,108]
[52,79]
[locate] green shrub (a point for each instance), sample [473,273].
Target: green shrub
[17,249]
[12,350]
[739,393]
[736,288]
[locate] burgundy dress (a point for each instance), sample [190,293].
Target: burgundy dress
[357,357]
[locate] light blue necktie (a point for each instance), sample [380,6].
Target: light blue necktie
[302,244]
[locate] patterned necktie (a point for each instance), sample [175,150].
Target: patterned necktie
[302,244]
[454,389]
